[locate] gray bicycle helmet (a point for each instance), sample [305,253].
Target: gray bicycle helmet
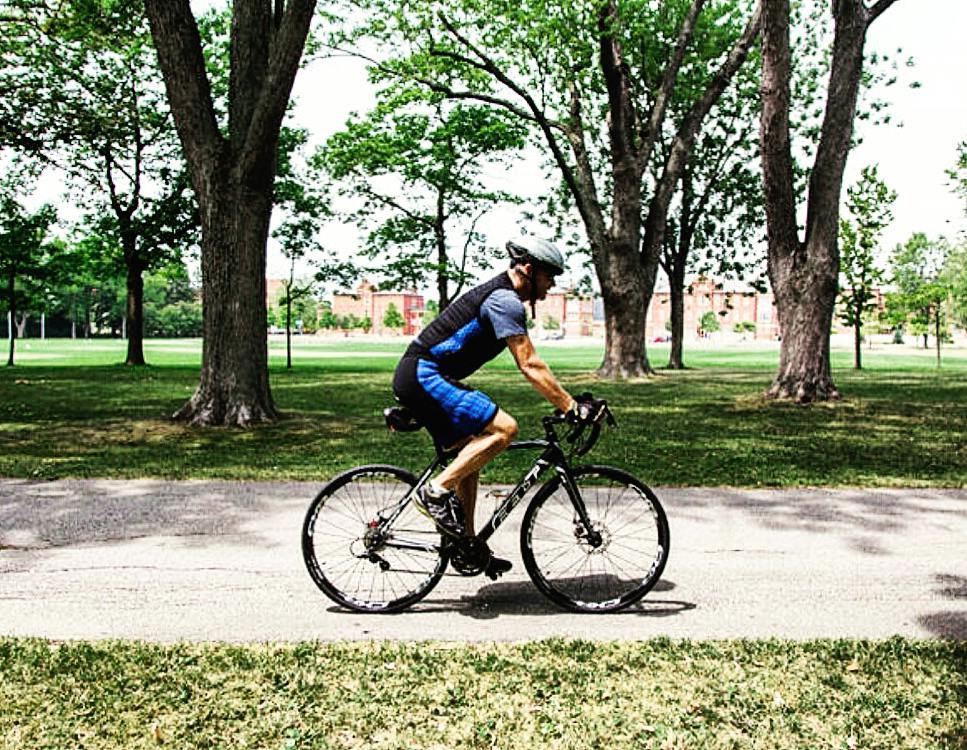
[522,249]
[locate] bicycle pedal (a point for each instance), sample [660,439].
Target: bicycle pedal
[497,567]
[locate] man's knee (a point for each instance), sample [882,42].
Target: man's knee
[505,426]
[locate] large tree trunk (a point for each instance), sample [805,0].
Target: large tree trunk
[234,385]
[805,298]
[233,182]
[804,275]
[622,291]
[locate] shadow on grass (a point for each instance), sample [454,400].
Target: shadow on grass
[696,427]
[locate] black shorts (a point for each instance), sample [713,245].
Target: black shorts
[450,410]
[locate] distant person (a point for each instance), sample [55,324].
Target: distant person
[470,332]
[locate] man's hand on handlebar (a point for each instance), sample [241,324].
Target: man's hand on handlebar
[584,409]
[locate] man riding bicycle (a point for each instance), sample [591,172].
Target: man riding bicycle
[468,333]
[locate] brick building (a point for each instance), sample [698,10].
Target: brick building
[563,313]
[368,302]
[730,305]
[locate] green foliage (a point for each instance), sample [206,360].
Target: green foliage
[954,279]
[923,290]
[870,202]
[411,173]
[744,326]
[431,311]
[28,260]
[172,308]
[551,323]
[709,322]
[393,318]
[958,174]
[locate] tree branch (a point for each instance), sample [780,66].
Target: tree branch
[392,203]
[774,128]
[653,125]
[689,129]
[178,44]
[286,51]
[877,10]
[621,111]
[543,122]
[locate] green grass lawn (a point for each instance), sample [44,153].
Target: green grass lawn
[70,410]
[550,694]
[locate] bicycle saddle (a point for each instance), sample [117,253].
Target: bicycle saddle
[401,419]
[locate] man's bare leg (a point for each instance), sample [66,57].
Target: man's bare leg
[476,454]
[467,492]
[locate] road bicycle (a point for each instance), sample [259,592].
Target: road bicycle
[593,539]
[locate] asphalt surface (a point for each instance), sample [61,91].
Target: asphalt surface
[221,561]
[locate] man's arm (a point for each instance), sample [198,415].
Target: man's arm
[538,373]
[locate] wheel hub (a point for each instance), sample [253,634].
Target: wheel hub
[597,541]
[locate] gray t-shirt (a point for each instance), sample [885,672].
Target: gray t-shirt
[505,312]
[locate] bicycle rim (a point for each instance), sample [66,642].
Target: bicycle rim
[359,559]
[612,574]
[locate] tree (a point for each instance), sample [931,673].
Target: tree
[411,170]
[171,305]
[24,254]
[709,322]
[954,276]
[303,208]
[293,291]
[870,202]
[86,96]
[922,288]
[804,273]
[594,79]
[392,318]
[719,205]
[232,174]
[958,175]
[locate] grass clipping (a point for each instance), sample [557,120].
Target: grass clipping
[548,694]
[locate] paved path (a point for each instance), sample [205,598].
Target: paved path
[221,561]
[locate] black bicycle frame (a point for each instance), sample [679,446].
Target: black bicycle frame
[552,455]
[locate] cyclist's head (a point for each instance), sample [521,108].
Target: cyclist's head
[540,253]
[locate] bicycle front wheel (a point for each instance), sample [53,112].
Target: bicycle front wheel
[611,567]
[365,547]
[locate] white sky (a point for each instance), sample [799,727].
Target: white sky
[913,159]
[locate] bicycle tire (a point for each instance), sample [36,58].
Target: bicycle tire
[564,565]
[334,542]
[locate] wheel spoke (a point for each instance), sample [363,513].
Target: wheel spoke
[341,533]
[616,572]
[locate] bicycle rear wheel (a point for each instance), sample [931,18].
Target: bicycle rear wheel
[364,549]
[609,569]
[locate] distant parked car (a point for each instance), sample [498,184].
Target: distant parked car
[662,339]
